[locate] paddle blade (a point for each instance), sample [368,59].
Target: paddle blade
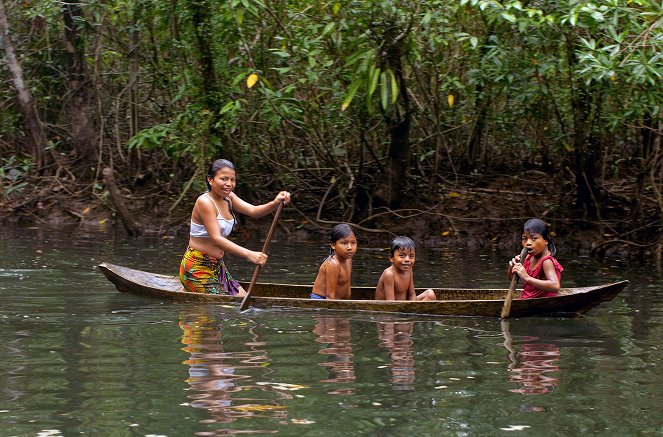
[506,309]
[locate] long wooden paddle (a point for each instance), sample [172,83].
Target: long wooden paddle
[265,247]
[506,309]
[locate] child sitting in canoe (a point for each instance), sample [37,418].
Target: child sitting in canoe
[333,280]
[540,271]
[397,280]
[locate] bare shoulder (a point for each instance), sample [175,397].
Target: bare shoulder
[204,199]
[329,263]
[388,273]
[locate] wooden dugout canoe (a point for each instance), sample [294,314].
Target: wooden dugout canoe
[451,302]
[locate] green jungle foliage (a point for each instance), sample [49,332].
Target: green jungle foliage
[367,105]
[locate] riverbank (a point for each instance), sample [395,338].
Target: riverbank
[482,213]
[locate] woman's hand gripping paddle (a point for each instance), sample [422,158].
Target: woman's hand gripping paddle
[265,247]
[506,309]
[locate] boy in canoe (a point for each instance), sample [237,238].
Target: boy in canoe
[333,279]
[397,280]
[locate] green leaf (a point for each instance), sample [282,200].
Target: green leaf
[374,76]
[384,90]
[350,95]
[227,107]
[394,87]
[509,17]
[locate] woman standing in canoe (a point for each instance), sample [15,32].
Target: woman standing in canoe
[213,218]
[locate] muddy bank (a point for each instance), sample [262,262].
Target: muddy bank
[481,215]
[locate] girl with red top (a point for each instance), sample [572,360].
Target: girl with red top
[540,271]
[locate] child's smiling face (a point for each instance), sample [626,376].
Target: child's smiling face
[534,243]
[403,259]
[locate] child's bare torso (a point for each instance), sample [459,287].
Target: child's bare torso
[401,284]
[341,271]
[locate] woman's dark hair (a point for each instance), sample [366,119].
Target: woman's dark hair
[538,226]
[400,243]
[216,166]
[339,231]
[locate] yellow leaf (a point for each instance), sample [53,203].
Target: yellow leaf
[337,7]
[454,194]
[102,221]
[445,233]
[257,407]
[251,80]
[451,99]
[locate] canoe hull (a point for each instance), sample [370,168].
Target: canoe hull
[451,302]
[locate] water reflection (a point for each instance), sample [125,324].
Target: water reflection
[397,338]
[220,379]
[334,333]
[533,366]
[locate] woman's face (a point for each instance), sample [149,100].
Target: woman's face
[224,182]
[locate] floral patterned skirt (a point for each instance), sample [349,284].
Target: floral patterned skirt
[201,273]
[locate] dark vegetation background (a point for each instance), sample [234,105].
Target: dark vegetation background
[450,121]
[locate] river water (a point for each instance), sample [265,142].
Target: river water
[80,358]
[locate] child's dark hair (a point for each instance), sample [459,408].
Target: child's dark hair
[339,231]
[216,166]
[538,226]
[400,243]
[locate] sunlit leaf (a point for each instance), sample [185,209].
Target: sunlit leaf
[451,99]
[251,80]
[86,210]
[374,77]
[509,17]
[351,94]
[336,8]
[394,87]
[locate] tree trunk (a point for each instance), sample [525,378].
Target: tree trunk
[200,16]
[81,107]
[398,119]
[585,143]
[128,221]
[134,39]
[35,130]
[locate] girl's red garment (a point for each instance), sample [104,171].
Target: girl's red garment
[529,291]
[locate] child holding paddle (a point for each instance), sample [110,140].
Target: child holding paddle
[202,269]
[333,280]
[540,271]
[397,280]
